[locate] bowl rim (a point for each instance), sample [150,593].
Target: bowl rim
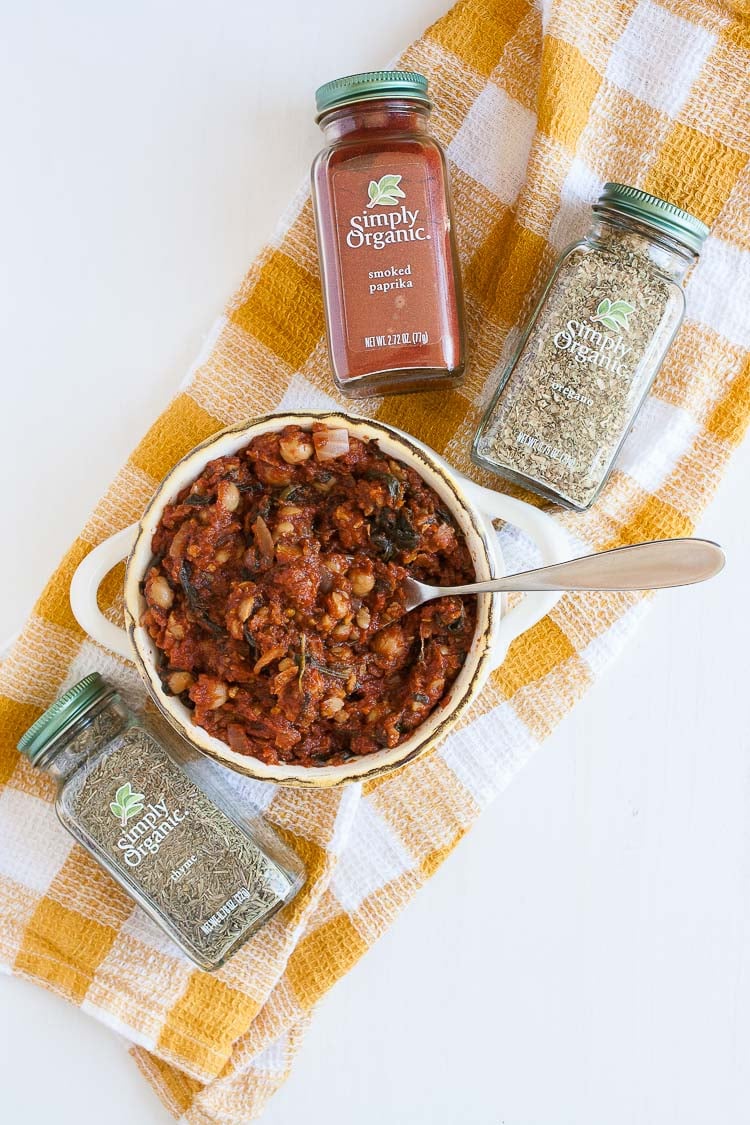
[369,766]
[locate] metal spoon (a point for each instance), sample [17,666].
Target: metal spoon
[642,566]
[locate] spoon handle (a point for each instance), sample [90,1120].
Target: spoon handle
[642,566]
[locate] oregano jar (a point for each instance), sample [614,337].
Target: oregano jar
[157,817]
[592,348]
[388,260]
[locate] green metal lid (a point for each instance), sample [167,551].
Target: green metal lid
[62,714]
[372,84]
[657,212]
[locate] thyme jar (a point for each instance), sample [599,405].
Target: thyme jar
[592,349]
[156,817]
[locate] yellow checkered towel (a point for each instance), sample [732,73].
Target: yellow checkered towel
[537,110]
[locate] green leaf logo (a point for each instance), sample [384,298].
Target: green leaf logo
[614,314]
[126,803]
[385,191]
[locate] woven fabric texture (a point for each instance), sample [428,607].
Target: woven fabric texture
[537,108]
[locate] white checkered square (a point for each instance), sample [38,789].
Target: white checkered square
[659,438]
[659,56]
[580,188]
[597,654]
[301,395]
[485,755]
[719,291]
[33,843]
[374,855]
[500,166]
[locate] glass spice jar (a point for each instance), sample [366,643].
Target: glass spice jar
[592,348]
[388,259]
[176,840]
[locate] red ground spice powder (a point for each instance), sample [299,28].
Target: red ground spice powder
[389,266]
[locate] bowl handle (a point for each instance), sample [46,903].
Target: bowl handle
[553,546]
[85,587]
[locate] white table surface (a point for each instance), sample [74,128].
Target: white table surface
[582,958]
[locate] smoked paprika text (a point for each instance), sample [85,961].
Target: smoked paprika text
[389,266]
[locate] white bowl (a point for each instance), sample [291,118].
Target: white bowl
[471,506]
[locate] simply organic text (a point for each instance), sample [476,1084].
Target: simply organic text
[382,228]
[148,833]
[588,345]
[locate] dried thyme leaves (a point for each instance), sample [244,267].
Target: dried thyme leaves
[576,385]
[200,871]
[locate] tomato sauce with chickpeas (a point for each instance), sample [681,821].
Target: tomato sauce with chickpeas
[275,597]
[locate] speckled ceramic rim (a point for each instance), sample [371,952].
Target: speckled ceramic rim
[470,679]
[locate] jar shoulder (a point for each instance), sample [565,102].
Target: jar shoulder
[607,265]
[610,255]
[83,757]
[352,147]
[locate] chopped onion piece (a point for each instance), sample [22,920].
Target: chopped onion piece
[330,444]
[178,544]
[264,540]
[274,653]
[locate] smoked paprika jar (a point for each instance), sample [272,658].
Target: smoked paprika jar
[388,260]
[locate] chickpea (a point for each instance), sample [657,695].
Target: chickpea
[228,495]
[338,604]
[179,682]
[242,604]
[223,555]
[342,631]
[389,643]
[444,538]
[336,564]
[363,617]
[216,694]
[275,475]
[284,528]
[391,612]
[159,592]
[295,448]
[329,707]
[362,581]
[175,628]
